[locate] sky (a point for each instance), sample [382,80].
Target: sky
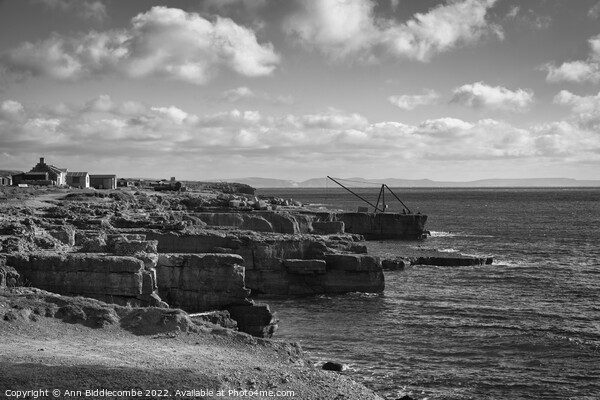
[453,90]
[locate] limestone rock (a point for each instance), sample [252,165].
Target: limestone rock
[353,262]
[221,318]
[201,282]
[305,267]
[394,265]
[258,224]
[328,227]
[105,277]
[9,277]
[255,319]
[65,234]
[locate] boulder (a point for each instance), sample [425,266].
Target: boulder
[394,265]
[333,366]
[9,277]
[255,319]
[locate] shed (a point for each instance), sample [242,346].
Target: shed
[78,179]
[5,180]
[103,181]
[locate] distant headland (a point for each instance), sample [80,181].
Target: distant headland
[257,182]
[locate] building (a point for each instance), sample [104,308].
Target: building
[125,183]
[78,179]
[32,178]
[57,176]
[103,181]
[5,180]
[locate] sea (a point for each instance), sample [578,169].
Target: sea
[525,327]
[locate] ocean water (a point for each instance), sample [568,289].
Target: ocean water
[525,327]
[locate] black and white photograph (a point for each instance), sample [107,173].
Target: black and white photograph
[300,199]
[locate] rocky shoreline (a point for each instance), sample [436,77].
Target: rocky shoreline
[203,251]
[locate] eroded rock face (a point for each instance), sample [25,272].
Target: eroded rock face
[9,277]
[118,247]
[116,279]
[260,221]
[201,282]
[288,264]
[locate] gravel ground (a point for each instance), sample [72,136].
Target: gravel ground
[39,351]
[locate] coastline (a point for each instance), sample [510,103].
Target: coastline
[89,343]
[214,226]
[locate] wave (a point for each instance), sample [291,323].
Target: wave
[442,234]
[449,250]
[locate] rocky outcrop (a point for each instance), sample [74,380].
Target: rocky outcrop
[451,260]
[255,319]
[201,282]
[116,279]
[9,277]
[261,221]
[287,264]
[394,264]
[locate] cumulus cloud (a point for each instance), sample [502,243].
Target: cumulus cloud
[586,109]
[480,95]
[579,104]
[102,127]
[87,9]
[164,42]
[343,29]
[577,71]
[410,102]
[244,93]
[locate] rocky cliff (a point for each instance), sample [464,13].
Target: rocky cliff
[198,252]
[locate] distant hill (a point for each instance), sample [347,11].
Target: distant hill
[259,183]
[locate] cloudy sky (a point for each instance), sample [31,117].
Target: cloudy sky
[296,89]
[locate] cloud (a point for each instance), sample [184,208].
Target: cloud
[579,104]
[574,71]
[242,93]
[410,102]
[163,42]
[529,18]
[333,119]
[87,9]
[594,12]
[344,29]
[11,107]
[480,95]
[577,71]
[102,128]
[585,109]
